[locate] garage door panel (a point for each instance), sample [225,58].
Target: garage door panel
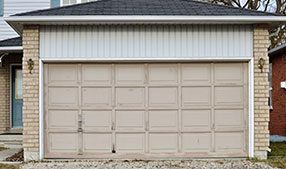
[228,73]
[62,119]
[227,119]
[194,74]
[63,96]
[130,97]
[130,120]
[163,143]
[163,74]
[97,142]
[229,96]
[130,143]
[229,142]
[196,142]
[174,110]
[198,96]
[163,120]
[163,97]
[62,74]
[63,142]
[96,120]
[196,120]
[129,74]
[96,74]
[96,97]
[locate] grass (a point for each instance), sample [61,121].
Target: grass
[277,156]
[277,149]
[9,166]
[2,148]
[277,162]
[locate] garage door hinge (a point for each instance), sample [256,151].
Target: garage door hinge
[113,149]
[112,126]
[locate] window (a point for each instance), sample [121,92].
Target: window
[1,7]
[19,84]
[71,2]
[270,86]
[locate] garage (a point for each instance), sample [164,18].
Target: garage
[146,110]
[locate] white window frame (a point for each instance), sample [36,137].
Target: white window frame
[77,2]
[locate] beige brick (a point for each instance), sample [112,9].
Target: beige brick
[261,85]
[31,89]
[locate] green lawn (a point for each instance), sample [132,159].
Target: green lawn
[2,148]
[277,156]
[278,149]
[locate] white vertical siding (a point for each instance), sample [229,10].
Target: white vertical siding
[146,41]
[17,6]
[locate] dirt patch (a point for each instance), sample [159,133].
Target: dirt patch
[9,166]
[16,157]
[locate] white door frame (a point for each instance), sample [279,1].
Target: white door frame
[250,93]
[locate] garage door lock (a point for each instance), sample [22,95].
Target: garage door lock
[80,124]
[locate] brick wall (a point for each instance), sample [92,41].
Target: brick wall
[261,85]
[5,90]
[277,123]
[31,93]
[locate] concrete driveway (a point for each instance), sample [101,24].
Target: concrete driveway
[156,164]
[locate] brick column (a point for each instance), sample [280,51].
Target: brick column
[261,89]
[31,93]
[4,98]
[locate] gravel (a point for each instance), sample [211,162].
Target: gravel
[152,164]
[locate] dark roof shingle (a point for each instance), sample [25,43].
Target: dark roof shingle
[11,42]
[147,7]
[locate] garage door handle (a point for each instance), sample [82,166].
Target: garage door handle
[79,126]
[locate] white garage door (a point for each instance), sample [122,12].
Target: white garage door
[146,110]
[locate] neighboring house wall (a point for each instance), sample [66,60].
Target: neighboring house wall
[17,6]
[278,113]
[261,89]
[5,90]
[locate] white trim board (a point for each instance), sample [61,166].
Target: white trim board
[152,18]
[251,108]
[41,110]
[144,59]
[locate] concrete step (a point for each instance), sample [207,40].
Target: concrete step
[13,145]
[11,141]
[9,137]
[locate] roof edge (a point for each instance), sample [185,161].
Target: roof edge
[17,22]
[144,18]
[276,50]
[10,48]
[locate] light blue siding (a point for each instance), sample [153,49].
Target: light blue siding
[18,6]
[55,3]
[1,7]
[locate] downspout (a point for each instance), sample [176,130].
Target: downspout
[1,57]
